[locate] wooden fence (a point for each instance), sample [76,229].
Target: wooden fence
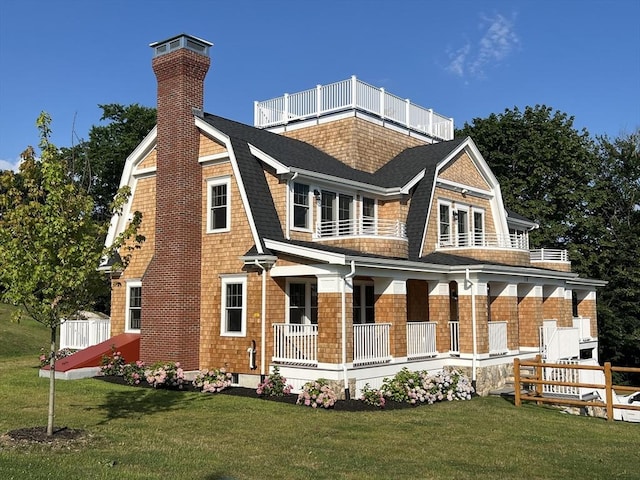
[537,380]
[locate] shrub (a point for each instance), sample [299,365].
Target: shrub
[421,387]
[212,381]
[402,387]
[134,373]
[372,396]
[165,374]
[112,365]
[317,394]
[62,353]
[275,385]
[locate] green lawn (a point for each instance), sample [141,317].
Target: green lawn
[154,434]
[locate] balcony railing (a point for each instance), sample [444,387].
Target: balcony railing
[484,240]
[371,344]
[584,328]
[295,344]
[421,339]
[498,338]
[361,227]
[351,94]
[549,255]
[79,334]
[454,338]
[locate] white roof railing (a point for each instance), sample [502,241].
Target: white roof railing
[351,94]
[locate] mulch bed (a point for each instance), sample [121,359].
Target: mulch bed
[62,438]
[351,405]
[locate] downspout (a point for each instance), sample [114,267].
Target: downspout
[473,329]
[263,313]
[344,328]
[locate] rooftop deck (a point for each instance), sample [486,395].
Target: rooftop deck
[352,94]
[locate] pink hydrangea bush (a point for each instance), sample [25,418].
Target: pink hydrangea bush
[167,374]
[275,385]
[133,373]
[212,381]
[317,394]
[112,365]
[373,396]
[62,353]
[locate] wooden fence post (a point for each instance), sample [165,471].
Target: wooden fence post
[539,377]
[516,378]
[608,385]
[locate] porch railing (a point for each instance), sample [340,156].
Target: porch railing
[295,344]
[362,227]
[421,339]
[454,338]
[498,338]
[79,334]
[484,240]
[371,343]
[549,255]
[351,94]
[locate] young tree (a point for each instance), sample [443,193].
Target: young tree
[50,242]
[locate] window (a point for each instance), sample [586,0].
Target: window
[444,224]
[234,309]
[368,215]
[218,205]
[463,227]
[301,210]
[303,303]
[134,306]
[363,304]
[478,227]
[336,214]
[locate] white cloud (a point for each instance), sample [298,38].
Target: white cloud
[497,42]
[10,164]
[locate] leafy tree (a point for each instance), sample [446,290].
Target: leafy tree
[545,168]
[51,243]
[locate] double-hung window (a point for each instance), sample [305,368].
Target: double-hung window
[444,224]
[301,210]
[233,321]
[218,205]
[303,303]
[134,306]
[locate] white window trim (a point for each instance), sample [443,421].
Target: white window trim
[310,202]
[130,284]
[374,227]
[224,281]
[307,295]
[212,182]
[451,239]
[481,211]
[360,285]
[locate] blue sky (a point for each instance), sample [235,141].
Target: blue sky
[464,59]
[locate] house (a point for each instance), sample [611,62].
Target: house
[345,236]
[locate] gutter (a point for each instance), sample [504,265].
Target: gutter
[348,276]
[467,279]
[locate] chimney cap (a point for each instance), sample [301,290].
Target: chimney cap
[183,40]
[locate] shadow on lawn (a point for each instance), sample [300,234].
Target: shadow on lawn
[136,402]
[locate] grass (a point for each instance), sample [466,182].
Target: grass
[154,434]
[26,337]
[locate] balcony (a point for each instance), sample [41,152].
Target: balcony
[361,228]
[484,240]
[352,94]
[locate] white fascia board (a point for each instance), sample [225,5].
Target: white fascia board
[338,181]
[269,160]
[305,252]
[411,183]
[301,270]
[129,178]
[459,187]
[213,158]
[224,139]
[521,223]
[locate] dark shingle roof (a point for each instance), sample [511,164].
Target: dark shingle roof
[298,154]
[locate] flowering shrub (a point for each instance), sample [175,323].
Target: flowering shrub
[374,397]
[212,381]
[112,365]
[62,353]
[421,387]
[317,394]
[133,373]
[167,374]
[275,385]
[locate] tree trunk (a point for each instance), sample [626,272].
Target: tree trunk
[52,381]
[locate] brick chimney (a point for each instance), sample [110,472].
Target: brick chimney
[171,285]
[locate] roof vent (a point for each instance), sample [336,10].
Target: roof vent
[181,41]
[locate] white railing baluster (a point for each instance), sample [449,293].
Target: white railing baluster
[498,338]
[421,339]
[371,343]
[454,338]
[295,344]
